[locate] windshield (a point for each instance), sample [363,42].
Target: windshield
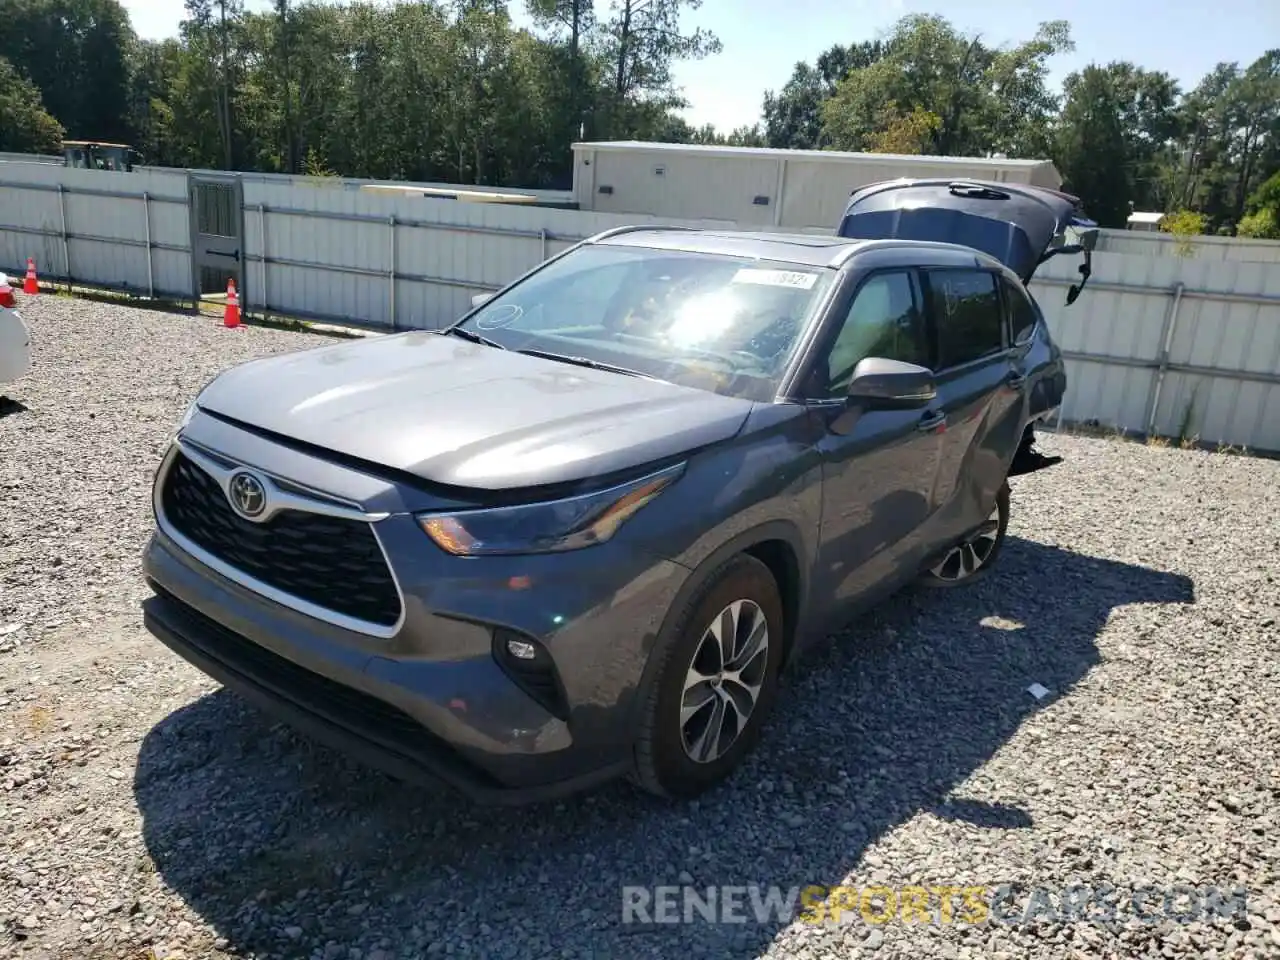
[719,323]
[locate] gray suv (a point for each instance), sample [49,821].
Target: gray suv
[578,534]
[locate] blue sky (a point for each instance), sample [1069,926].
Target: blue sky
[763,39]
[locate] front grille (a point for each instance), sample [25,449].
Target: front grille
[331,562]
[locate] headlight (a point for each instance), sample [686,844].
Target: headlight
[192,407]
[548,527]
[186,417]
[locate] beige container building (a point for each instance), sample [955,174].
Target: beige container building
[802,190]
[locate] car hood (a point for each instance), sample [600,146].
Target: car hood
[468,415]
[1015,223]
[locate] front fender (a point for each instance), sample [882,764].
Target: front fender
[777,530]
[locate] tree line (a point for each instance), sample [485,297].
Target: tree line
[452,90]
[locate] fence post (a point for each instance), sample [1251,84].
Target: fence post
[1170,325]
[146,219]
[391,272]
[262,273]
[66,247]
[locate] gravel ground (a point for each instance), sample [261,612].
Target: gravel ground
[144,812]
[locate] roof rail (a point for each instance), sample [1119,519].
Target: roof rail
[635,228]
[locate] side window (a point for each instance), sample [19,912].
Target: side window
[1022,315]
[884,320]
[967,314]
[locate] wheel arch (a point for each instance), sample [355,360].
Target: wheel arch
[778,545]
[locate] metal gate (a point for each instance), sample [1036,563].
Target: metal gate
[217,235]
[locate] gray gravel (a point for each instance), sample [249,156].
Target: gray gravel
[144,812]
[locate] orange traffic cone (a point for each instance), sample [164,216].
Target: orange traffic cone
[30,285]
[231,315]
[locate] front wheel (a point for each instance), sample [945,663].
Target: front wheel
[971,560]
[716,684]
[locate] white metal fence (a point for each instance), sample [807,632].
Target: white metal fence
[127,232]
[1168,339]
[1171,346]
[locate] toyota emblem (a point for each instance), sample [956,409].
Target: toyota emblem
[247,495]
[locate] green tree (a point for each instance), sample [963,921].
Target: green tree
[1140,143]
[1254,104]
[904,133]
[573,24]
[214,35]
[1232,140]
[744,136]
[284,43]
[793,115]
[641,42]
[1022,110]
[984,99]
[1152,124]
[320,75]
[155,70]
[25,126]
[77,54]
[1183,225]
[1262,222]
[1091,149]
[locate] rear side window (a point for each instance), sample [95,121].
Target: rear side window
[1022,315]
[967,313]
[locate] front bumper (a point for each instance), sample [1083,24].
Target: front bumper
[344,718]
[428,700]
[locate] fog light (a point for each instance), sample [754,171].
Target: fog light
[521,650]
[529,665]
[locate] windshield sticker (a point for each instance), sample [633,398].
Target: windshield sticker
[496,318]
[777,278]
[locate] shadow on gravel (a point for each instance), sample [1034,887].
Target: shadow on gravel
[284,847]
[10,407]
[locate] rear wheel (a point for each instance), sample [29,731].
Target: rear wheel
[972,559]
[716,684]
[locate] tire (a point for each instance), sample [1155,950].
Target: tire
[985,546]
[663,762]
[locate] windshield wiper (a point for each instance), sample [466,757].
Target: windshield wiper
[472,336]
[585,362]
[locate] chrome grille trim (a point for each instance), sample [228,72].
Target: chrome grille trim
[221,468]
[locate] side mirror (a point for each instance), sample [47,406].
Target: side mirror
[480,299]
[880,383]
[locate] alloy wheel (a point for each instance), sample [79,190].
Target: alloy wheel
[968,558]
[723,682]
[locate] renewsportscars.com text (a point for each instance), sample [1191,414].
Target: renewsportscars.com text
[941,904]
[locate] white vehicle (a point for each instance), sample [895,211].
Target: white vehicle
[15,338]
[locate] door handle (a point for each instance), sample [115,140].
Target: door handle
[931,422]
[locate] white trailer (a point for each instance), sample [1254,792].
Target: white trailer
[803,190]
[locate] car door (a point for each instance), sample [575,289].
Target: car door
[878,466]
[1020,318]
[1035,356]
[981,391]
